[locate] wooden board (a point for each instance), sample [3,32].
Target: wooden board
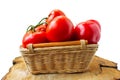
[99,69]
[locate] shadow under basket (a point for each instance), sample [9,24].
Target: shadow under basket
[58,57]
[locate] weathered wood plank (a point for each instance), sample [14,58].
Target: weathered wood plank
[99,69]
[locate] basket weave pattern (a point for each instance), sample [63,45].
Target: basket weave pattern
[59,59]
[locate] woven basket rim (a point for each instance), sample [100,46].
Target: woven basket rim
[76,42]
[82,45]
[90,47]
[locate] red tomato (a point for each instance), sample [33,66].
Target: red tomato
[41,27]
[95,22]
[54,13]
[59,29]
[34,37]
[88,31]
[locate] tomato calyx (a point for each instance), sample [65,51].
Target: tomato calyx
[31,28]
[41,22]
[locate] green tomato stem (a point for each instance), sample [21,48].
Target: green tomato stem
[42,21]
[31,27]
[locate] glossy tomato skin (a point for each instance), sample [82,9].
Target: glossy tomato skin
[95,22]
[59,29]
[33,38]
[41,28]
[87,31]
[54,13]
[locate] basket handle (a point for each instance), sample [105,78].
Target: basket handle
[66,43]
[78,42]
[83,44]
[30,48]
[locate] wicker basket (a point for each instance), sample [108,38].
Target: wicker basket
[58,57]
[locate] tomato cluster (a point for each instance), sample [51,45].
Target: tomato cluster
[58,27]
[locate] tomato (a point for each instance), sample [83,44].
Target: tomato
[41,27]
[34,35]
[59,29]
[95,22]
[87,30]
[54,13]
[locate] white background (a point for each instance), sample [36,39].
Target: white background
[17,15]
